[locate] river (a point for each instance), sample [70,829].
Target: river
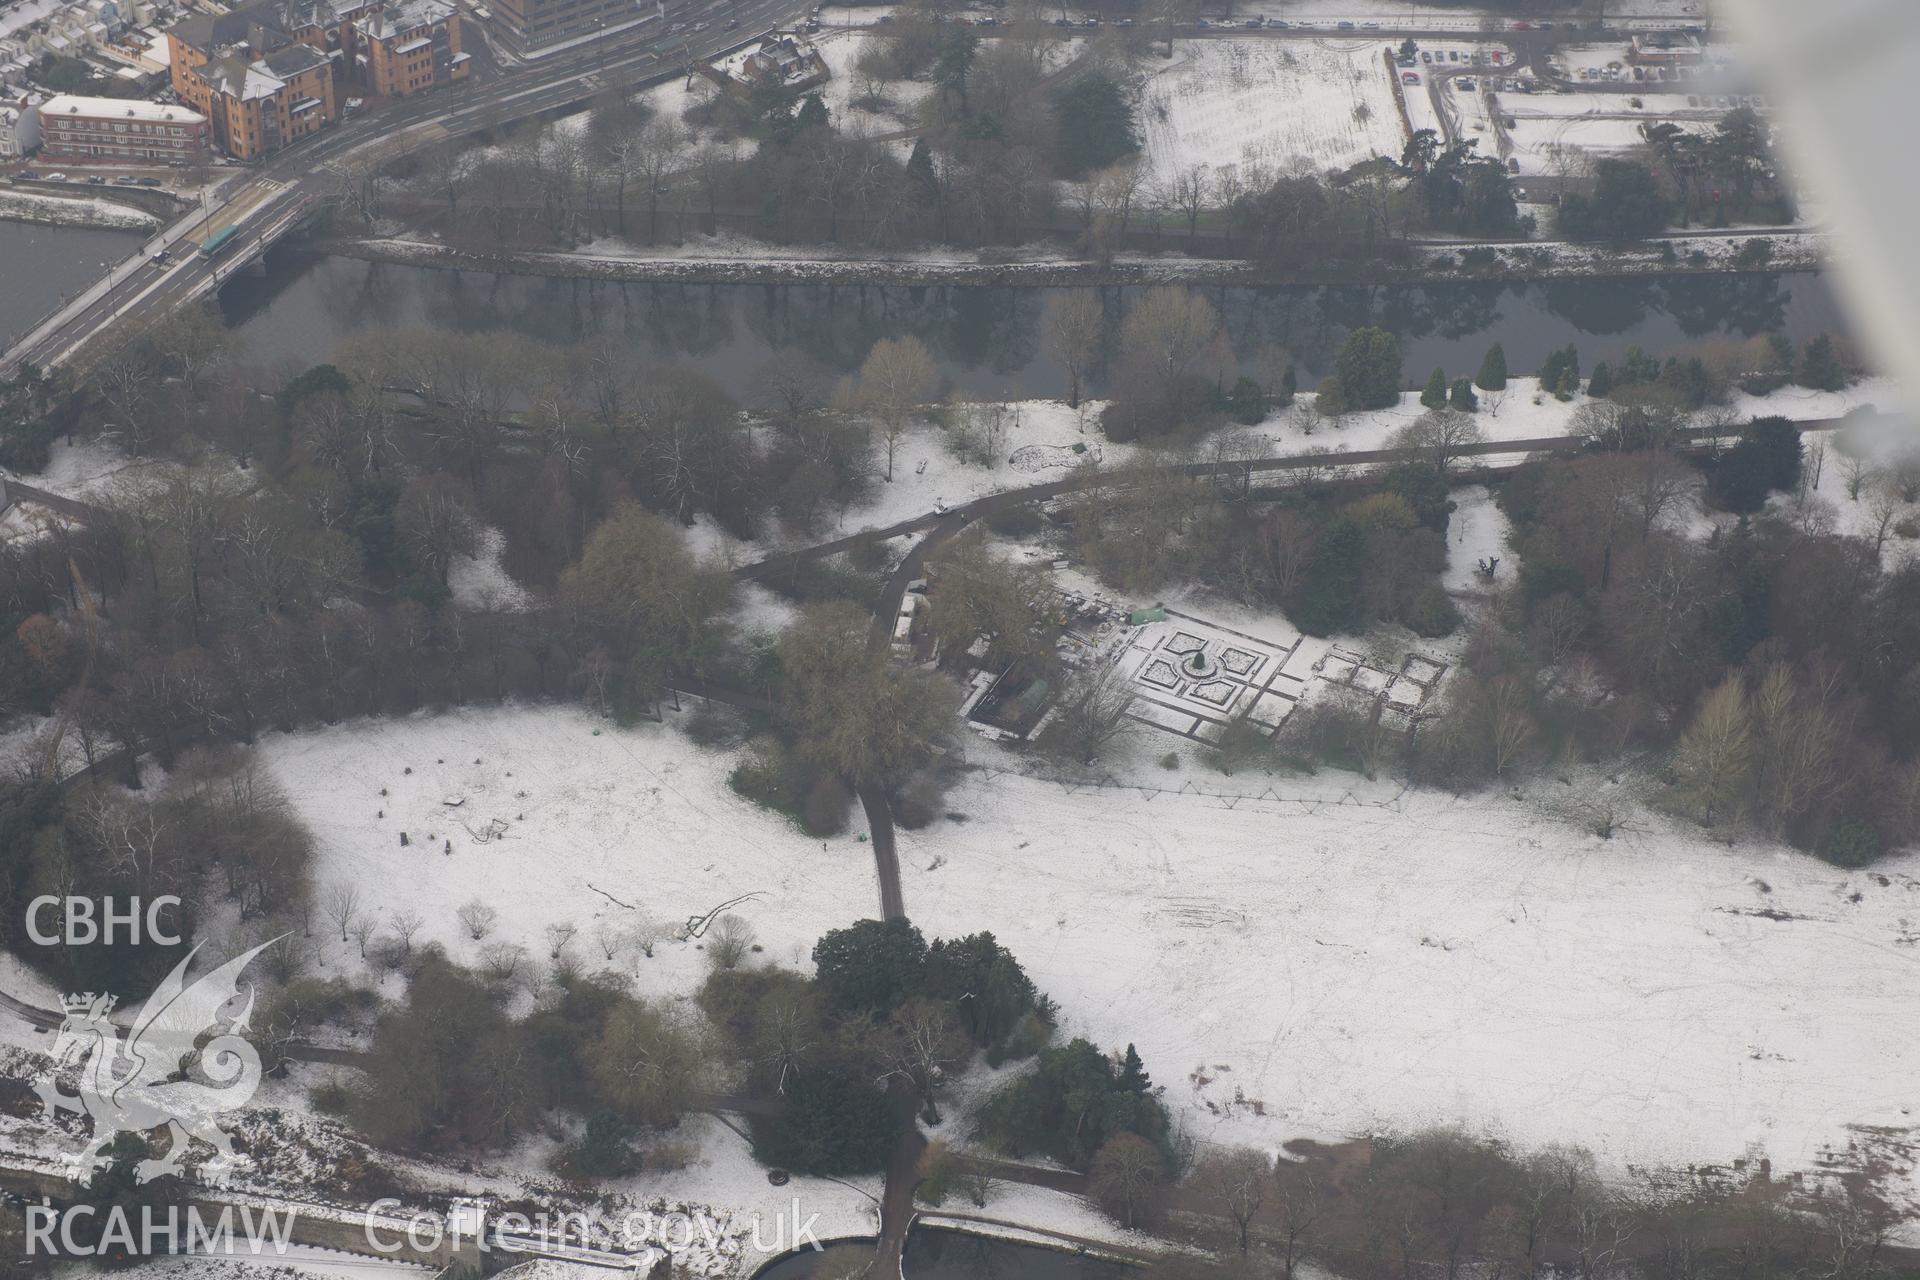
[935,1253]
[41,265]
[987,338]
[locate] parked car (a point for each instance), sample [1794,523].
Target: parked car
[26,175]
[1347,26]
[1276,22]
[126,180]
[1513,165]
[148,182]
[56,177]
[1253,24]
[1425,56]
[1409,77]
[95,180]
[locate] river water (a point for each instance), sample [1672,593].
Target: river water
[41,265]
[987,338]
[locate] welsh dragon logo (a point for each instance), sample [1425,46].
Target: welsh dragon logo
[140,1083]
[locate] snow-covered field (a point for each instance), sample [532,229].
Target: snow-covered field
[545,813]
[1346,956]
[1270,103]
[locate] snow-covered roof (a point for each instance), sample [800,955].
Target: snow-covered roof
[414,46]
[245,81]
[405,17]
[69,104]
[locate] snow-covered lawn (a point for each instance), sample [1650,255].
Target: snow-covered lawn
[843,51]
[543,814]
[84,468]
[1255,101]
[1346,957]
[1477,530]
[1369,965]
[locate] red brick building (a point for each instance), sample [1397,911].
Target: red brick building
[120,130]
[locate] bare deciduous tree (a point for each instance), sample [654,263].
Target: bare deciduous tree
[1235,1180]
[478,919]
[728,941]
[1071,328]
[1440,434]
[406,924]
[1128,1177]
[1714,762]
[1093,710]
[895,379]
[342,905]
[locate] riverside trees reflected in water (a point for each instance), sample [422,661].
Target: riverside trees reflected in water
[987,339]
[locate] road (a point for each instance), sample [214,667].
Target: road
[287,187]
